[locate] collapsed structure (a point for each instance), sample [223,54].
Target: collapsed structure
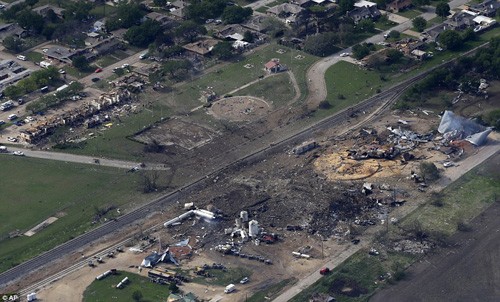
[454,127]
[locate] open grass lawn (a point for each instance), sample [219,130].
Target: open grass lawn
[105,290]
[384,25]
[76,73]
[103,10]
[277,89]
[348,84]
[410,13]
[271,290]
[106,61]
[462,201]
[34,56]
[113,142]
[222,278]
[34,190]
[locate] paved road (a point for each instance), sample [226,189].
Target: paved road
[66,157]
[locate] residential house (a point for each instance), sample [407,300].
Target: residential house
[99,25]
[202,47]
[12,29]
[398,5]
[360,13]
[160,18]
[483,22]
[44,9]
[105,46]
[432,34]
[256,23]
[364,3]
[302,3]
[461,20]
[487,8]
[60,53]
[291,13]
[178,9]
[274,66]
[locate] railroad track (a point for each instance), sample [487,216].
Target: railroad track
[142,212]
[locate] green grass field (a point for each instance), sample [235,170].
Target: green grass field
[278,90]
[348,84]
[113,142]
[34,190]
[34,56]
[105,290]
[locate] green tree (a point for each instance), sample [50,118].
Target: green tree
[394,34]
[393,55]
[13,91]
[366,25]
[177,69]
[419,23]
[346,5]
[450,39]
[13,44]
[189,30]
[80,63]
[160,3]
[223,51]
[421,2]
[248,36]
[443,9]
[236,14]
[429,171]
[30,20]
[201,10]
[137,295]
[31,2]
[173,288]
[144,34]
[322,44]
[469,35]
[360,51]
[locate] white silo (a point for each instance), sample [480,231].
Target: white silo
[253,228]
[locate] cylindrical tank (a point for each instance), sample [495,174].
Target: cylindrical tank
[244,216]
[253,228]
[204,214]
[237,222]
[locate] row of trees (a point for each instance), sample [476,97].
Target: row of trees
[36,80]
[55,99]
[464,73]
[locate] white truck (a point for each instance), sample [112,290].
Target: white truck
[230,288]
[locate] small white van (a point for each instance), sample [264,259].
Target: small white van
[21,57]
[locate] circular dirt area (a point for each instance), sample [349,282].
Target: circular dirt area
[240,108]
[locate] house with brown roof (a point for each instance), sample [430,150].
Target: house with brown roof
[291,13]
[273,66]
[398,5]
[202,47]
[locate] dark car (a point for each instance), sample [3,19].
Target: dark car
[95,80]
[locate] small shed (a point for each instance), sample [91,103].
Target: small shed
[273,66]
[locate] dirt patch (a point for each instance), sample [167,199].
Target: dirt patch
[347,287]
[176,131]
[40,226]
[240,108]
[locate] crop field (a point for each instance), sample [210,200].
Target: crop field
[34,190]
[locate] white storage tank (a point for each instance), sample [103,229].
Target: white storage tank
[253,228]
[244,216]
[31,297]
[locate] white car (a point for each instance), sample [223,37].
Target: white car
[18,153]
[45,50]
[62,71]
[244,280]
[125,65]
[29,119]
[344,54]
[12,139]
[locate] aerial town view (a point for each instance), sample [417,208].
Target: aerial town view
[249,150]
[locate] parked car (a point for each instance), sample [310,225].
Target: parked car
[2,122]
[12,139]
[125,65]
[62,71]
[12,117]
[21,57]
[324,271]
[345,54]
[244,280]
[98,70]
[18,153]
[95,80]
